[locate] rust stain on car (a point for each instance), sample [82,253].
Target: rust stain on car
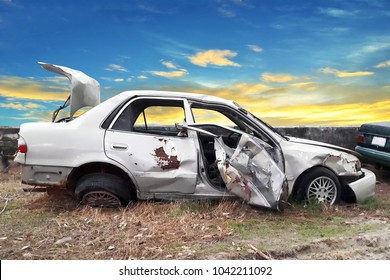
[166,161]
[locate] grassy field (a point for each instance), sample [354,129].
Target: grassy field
[38,226]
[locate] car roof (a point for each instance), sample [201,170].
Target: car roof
[101,111]
[174,94]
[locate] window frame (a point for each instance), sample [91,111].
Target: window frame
[152,99]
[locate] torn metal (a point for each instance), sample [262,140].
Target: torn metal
[310,153]
[249,172]
[340,163]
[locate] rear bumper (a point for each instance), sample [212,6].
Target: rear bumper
[45,176]
[374,155]
[364,188]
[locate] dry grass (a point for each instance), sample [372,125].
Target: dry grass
[38,226]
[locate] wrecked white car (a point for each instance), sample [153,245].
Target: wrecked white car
[174,145]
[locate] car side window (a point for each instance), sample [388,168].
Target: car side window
[159,118]
[202,115]
[156,116]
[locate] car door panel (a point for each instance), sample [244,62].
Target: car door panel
[161,164]
[248,170]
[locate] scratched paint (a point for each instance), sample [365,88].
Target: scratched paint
[166,156]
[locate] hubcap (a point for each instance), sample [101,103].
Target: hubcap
[101,199]
[323,190]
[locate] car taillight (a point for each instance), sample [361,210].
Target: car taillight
[22,146]
[361,139]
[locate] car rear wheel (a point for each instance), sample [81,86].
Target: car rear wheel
[319,185]
[103,190]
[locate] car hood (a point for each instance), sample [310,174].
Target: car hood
[321,144]
[85,91]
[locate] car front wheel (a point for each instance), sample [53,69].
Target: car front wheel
[103,190]
[320,185]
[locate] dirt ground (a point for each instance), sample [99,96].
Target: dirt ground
[38,226]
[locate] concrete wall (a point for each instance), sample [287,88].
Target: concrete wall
[341,136]
[344,136]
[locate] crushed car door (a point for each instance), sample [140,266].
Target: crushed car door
[248,170]
[160,158]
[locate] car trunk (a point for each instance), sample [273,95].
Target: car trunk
[375,136]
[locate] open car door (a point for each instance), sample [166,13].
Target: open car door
[248,170]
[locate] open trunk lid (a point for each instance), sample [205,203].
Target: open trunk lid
[85,91]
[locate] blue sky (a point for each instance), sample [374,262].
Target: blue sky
[289,62]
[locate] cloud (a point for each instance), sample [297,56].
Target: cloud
[374,47]
[380,44]
[255,48]
[226,8]
[8,2]
[340,29]
[214,57]
[225,12]
[304,84]
[143,77]
[168,74]
[21,88]
[277,78]
[326,114]
[169,64]
[342,74]
[172,74]
[115,80]
[334,12]
[42,116]
[116,67]
[149,8]
[383,64]
[20,106]
[251,88]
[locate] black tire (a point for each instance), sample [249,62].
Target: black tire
[319,185]
[103,190]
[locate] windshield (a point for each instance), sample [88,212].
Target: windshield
[261,121]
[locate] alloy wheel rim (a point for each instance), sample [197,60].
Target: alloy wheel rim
[322,190]
[101,199]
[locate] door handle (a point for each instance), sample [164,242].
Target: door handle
[121,147]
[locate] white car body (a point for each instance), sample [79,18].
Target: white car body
[175,163]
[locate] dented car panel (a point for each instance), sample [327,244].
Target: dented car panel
[249,172]
[170,161]
[48,176]
[130,147]
[302,155]
[360,189]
